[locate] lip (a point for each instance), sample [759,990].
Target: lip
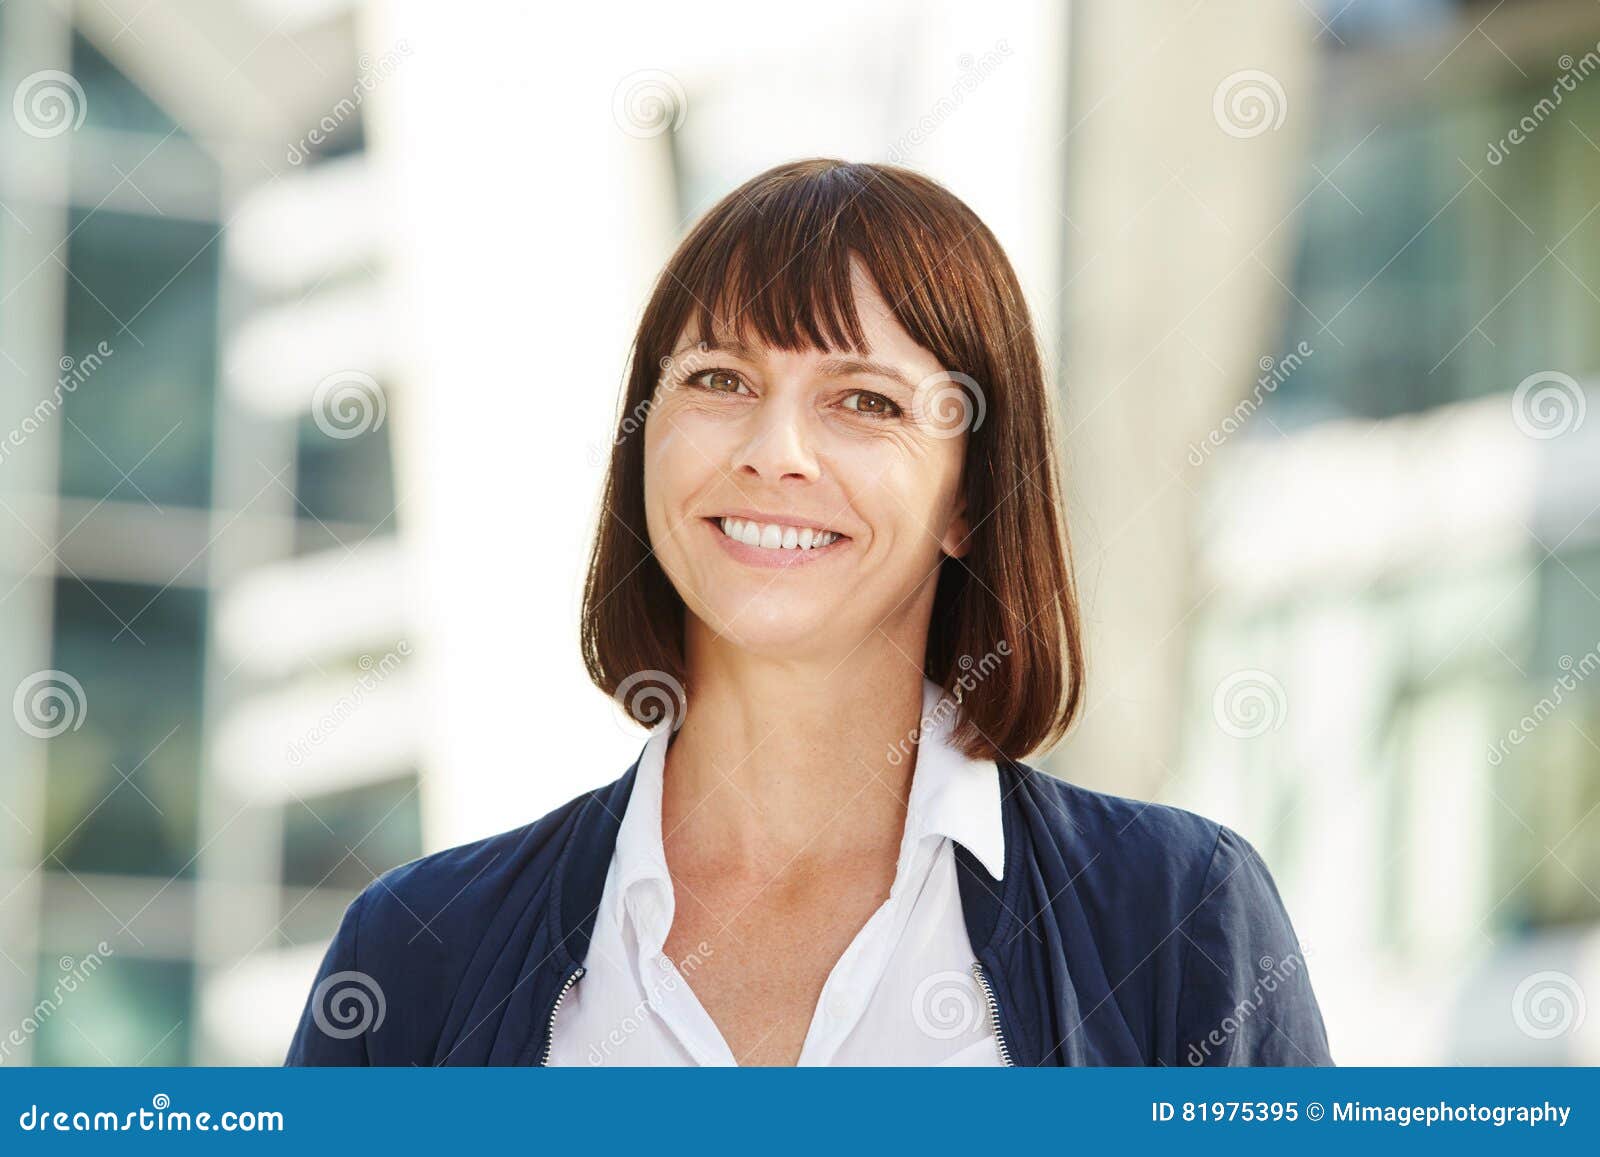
[774,559]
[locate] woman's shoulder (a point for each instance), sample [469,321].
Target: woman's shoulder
[1132,834]
[1122,854]
[463,885]
[1186,903]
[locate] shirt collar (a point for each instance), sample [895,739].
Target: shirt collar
[952,795]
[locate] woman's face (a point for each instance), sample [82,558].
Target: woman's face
[800,501]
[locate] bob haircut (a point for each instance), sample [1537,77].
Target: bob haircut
[772,261]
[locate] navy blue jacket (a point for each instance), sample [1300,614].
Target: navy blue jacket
[1123,933]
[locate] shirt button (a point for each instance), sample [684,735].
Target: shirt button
[838,1007]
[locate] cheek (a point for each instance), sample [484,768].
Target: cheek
[911,488]
[679,464]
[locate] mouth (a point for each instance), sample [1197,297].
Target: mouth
[772,543]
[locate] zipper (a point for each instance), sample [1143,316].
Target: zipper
[550,1029]
[994,1013]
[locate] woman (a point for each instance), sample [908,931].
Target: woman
[831,568]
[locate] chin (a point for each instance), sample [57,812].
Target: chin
[773,627]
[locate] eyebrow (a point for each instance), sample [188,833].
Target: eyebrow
[834,367]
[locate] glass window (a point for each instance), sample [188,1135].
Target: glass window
[122,783]
[112,100]
[345,485]
[137,428]
[342,840]
[118,1011]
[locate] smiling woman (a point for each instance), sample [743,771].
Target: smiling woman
[832,570]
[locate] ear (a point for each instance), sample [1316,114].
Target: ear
[956,542]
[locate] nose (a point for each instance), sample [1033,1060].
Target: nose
[778,444]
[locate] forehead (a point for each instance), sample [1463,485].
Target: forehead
[881,336]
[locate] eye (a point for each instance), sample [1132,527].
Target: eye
[720,382]
[874,405]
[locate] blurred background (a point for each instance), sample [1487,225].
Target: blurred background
[313,317]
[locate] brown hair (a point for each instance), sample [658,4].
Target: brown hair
[773,258]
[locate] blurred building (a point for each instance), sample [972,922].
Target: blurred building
[1330,342]
[201,552]
[313,326]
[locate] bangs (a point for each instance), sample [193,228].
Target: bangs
[773,263]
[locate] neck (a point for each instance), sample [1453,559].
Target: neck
[788,762]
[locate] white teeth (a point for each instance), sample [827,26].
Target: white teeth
[772,536]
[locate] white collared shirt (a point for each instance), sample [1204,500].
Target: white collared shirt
[903,992]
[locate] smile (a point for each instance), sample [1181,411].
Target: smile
[776,536]
[767,544]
